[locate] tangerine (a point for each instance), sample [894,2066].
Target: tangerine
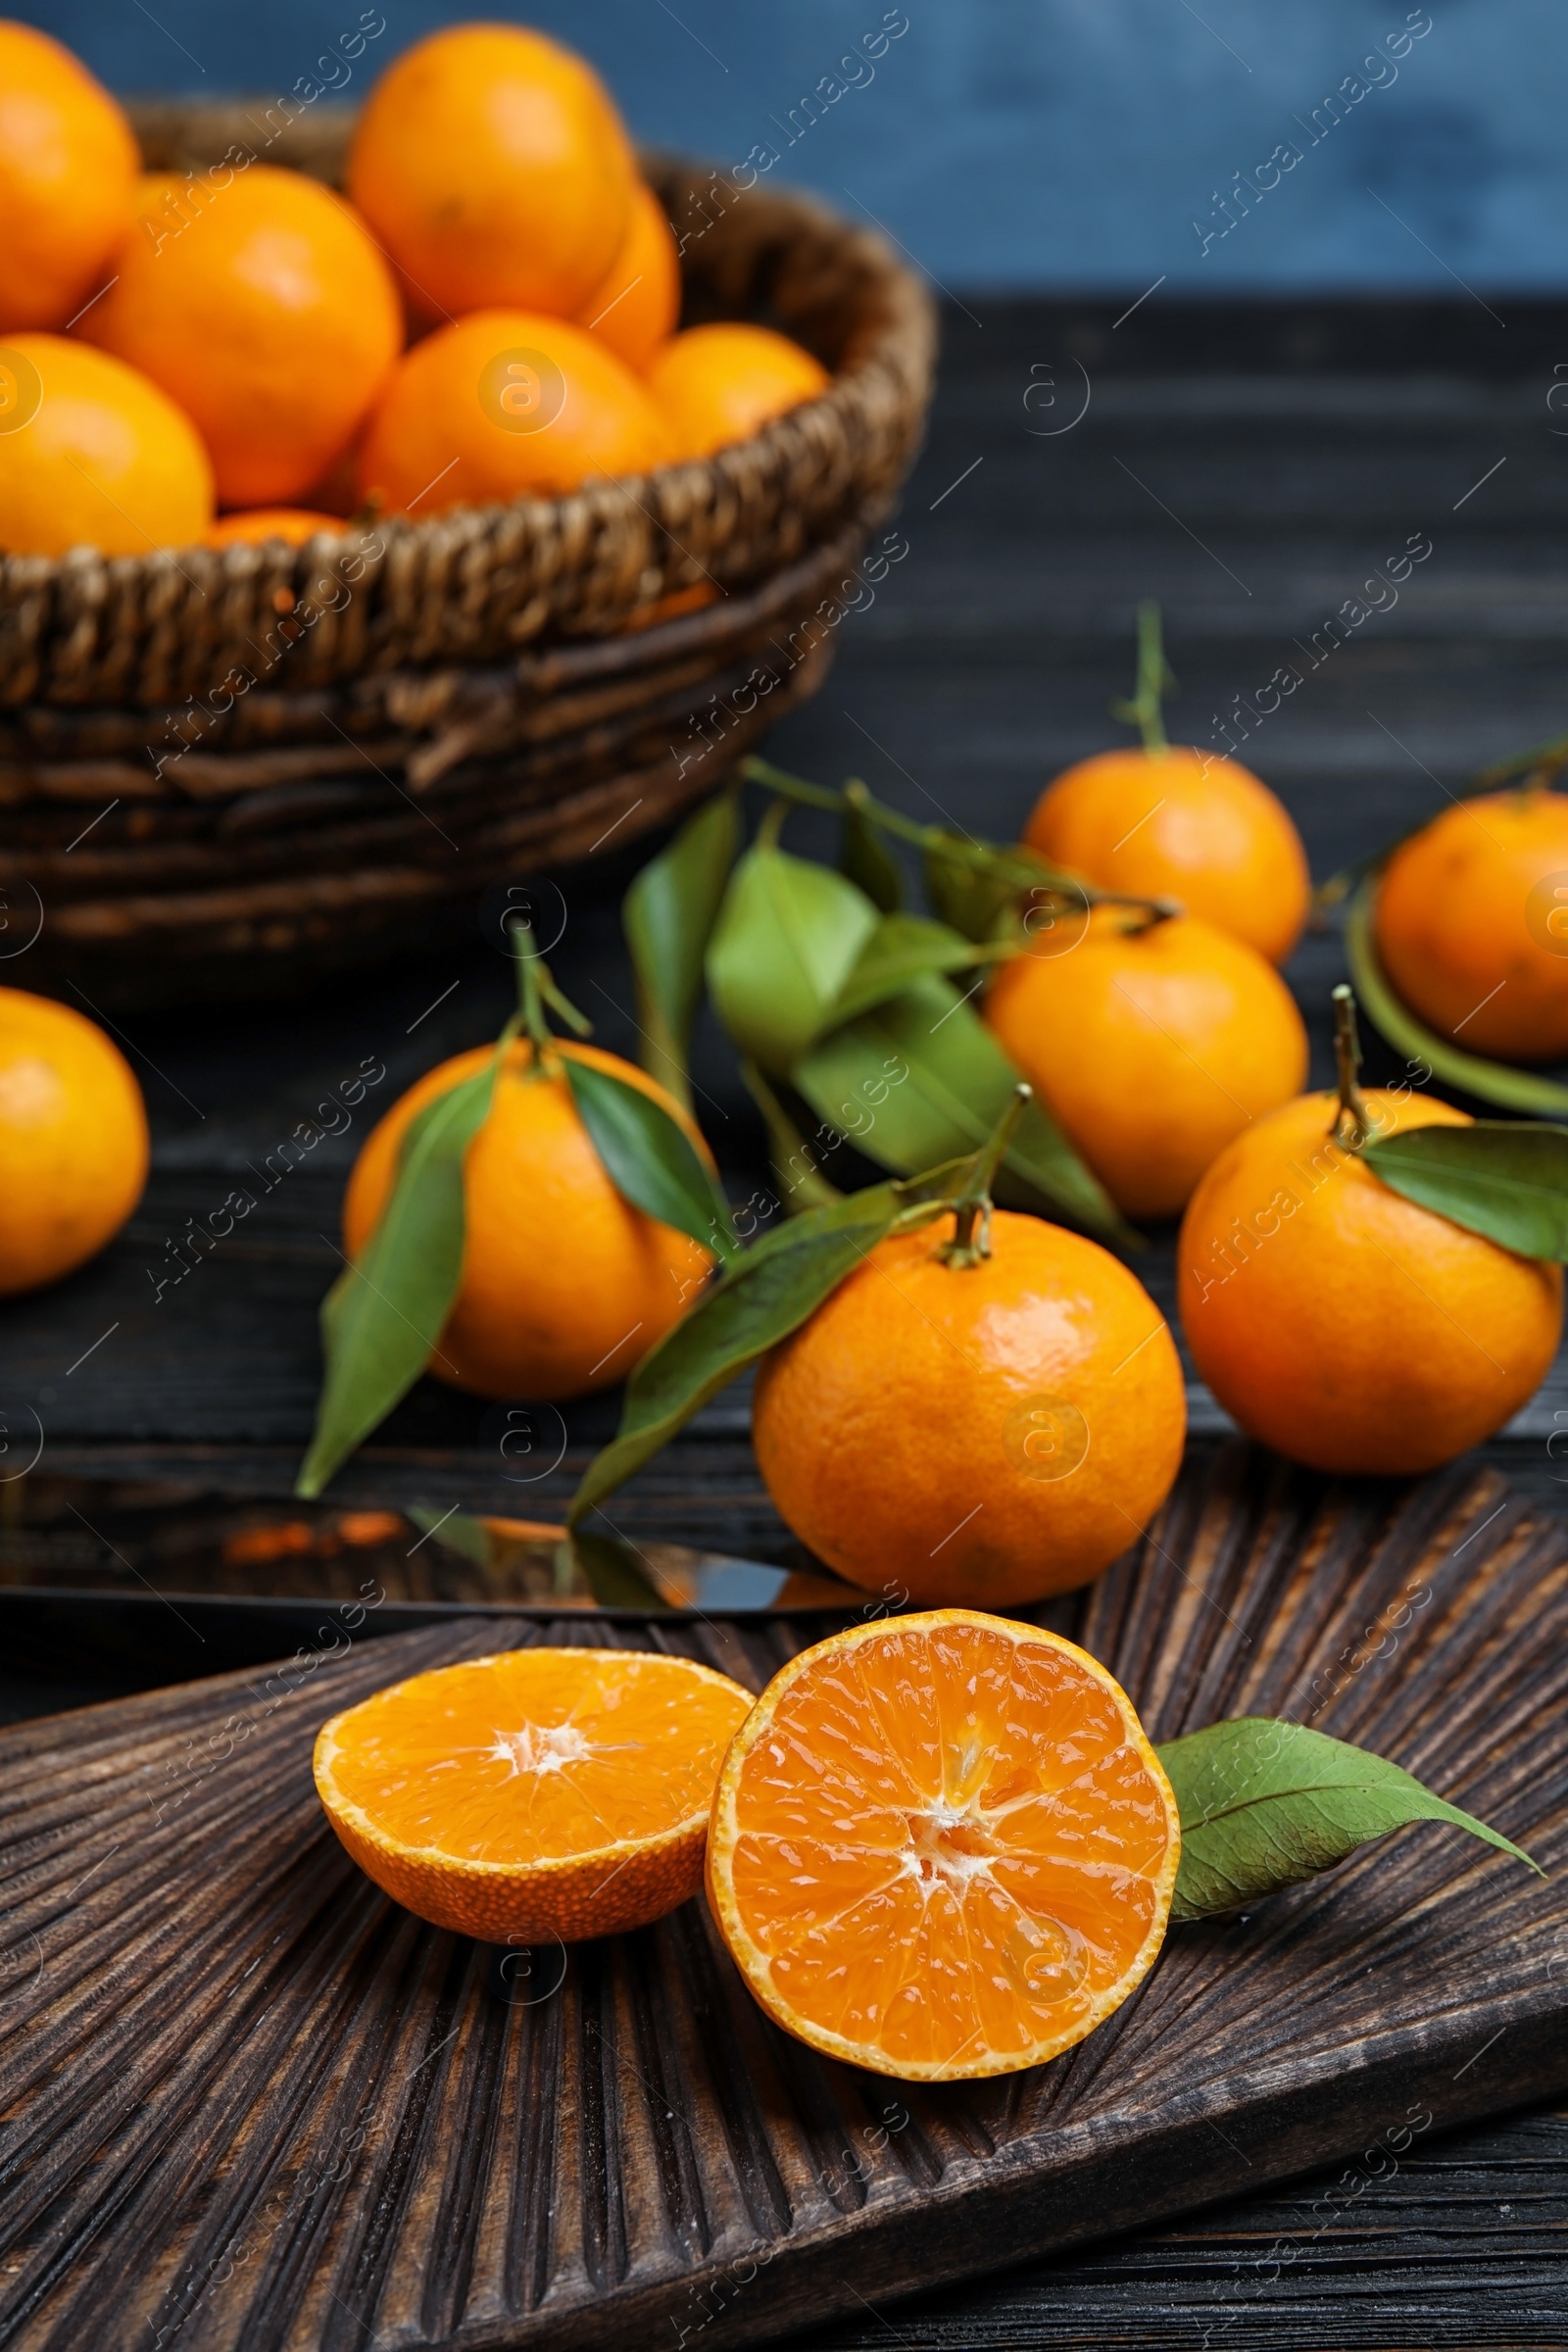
[264,307]
[1472,923]
[942,1846]
[72,1140]
[253,526]
[1342,1324]
[494,166]
[1153,1044]
[564,1285]
[1185,824]
[103,458]
[986,1431]
[67,175]
[505,405]
[722,383]
[635,306]
[540,1793]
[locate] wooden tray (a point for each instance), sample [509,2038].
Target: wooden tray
[251,2104]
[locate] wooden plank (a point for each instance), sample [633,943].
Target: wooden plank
[253,2104]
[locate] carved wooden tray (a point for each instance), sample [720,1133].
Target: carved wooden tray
[251,2104]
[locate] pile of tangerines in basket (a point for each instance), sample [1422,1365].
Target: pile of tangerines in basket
[489,313]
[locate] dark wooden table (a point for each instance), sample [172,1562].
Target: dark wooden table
[1249,465]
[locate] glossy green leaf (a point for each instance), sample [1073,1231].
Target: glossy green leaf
[923,1079]
[786,941]
[669,916]
[864,854]
[779,1281]
[903,948]
[801,1182]
[1489,1081]
[1264,1805]
[650,1159]
[1499,1177]
[383,1315]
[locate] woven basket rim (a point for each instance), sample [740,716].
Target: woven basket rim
[27,574]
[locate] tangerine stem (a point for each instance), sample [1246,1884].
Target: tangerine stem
[1153,677]
[970,1244]
[1347,1054]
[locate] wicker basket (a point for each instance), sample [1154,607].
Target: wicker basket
[231,772]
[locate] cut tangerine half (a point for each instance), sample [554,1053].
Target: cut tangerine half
[542,1793]
[943,1846]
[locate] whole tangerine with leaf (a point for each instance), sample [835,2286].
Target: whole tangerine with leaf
[72,1140]
[492,164]
[102,459]
[526,1222]
[67,175]
[1153,1041]
[1471,921]
[1167,820]
[263,306]
[1368,1281]
[505,405]
[984,1415]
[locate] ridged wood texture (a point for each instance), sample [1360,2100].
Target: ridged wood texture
[249,2103]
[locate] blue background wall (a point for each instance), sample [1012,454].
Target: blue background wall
[1036,143]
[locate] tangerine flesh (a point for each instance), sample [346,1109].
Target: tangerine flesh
[942,1846]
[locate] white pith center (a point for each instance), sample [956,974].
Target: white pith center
[540,1748]
[949,1844]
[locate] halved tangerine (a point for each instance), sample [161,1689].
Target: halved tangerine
[943,1846]
[542,1793]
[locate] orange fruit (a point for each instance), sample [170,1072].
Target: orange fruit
[1181,825]
[1472,924]
[253,526]
[493,166]
[722,383]
[984,1432]
[68,172]
[1151,1046]
[543,1792]
[564,1285]
[72,1140]
[104,460]
[1341,1323]
[264,309]
[504,405]
[637,303]
[942,1846]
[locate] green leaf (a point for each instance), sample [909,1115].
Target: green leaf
[1489,1081]
[1499,1177]
[802,1183]
[787,938]
[650,1159]
[780,1281]
[923,1079]
[973,885]
[383,1317]
[667,915]
[864,857]
[1264,1805]
[902,948]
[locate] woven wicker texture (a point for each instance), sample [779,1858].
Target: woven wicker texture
[302,746]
